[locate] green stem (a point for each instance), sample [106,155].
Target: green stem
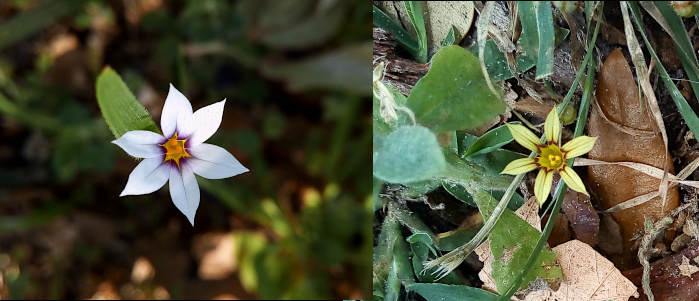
[558,194]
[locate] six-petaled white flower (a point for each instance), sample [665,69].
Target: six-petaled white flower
[179,153]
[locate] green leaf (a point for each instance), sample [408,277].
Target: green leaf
[461,194]
[449,40]
[392,286]
[456,239]
[490,141]
[466,173]
[401,262]
[495,161]
[547,38]
[383,254]
[36,19]
[120,108]
[440,292]
[382,20]
[528,42]
[421,246]
[454,94]
[409,154]
[496,62]
[416,189]
[511,241]
[415,15]
[685,53]
[538,35]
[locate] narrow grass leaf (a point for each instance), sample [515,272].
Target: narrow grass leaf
[685,110]
[415,15]
[547,38]
[439,292]
[380,19]
[490,141]
[666,16]
[529,265]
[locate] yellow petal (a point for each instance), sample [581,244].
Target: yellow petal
[572,180]
[542,186]
[524,136]
[520,166]
[578,146]
[552,127]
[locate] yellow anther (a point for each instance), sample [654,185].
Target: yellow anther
[174,150]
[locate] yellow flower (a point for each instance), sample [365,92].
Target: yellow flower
[552,157]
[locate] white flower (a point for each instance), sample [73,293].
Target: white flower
[179,154]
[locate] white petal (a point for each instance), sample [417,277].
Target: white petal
[148,176]
[214,162]
[176,111]
[203,124]
[141,144]
[184,191]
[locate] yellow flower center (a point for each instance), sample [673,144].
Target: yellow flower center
[174,150]
[551,157]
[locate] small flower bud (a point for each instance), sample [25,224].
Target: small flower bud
[566,6]
[685,9]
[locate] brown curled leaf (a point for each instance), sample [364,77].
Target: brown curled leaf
[668,276]
[627,132]
[582,216]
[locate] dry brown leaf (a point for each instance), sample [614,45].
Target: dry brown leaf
[216,255]
[583,217]
[530,213]
[532,106]
[686,268]
[626,133]
[587,275]
[666,280]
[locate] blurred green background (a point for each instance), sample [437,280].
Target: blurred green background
[296,76]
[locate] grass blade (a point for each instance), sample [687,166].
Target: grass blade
[558,195]
[34,20]
[685,110]
[415,14]
[664,14]
[544,27]
[382,20]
